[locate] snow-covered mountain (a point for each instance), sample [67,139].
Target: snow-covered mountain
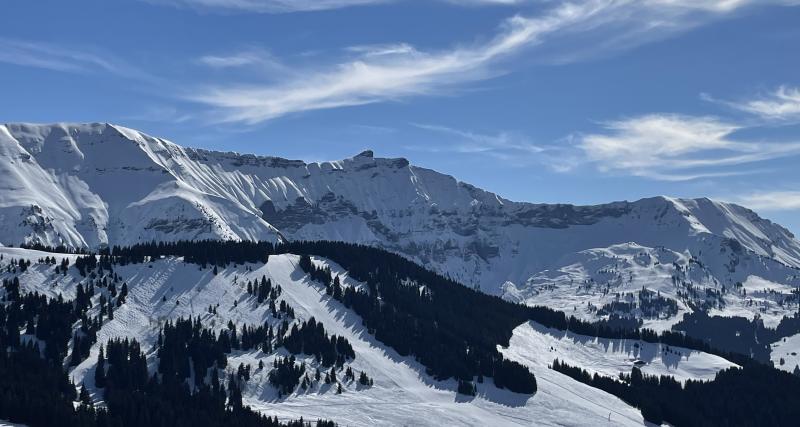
[92,185]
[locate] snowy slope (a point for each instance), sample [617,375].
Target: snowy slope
[89,185]
[786,353]
[610,357]
[402,393]
[97,184]
[586,282]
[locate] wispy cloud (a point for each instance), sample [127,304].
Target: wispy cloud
[677,148]
[267,6]
[66,59]
[287,6]
[771,201]
[503,144]
[161,113]
[252,58]
[487,2]
[374,78]
[779,106]
[510,147]
[230,61]
[382,49]
[52,57]
[387,73]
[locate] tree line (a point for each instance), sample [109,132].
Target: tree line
[477,321]
[755,395]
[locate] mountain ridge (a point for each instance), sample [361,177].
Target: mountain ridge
[70,184]
[241,159]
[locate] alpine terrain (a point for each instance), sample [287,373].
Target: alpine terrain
[146,283]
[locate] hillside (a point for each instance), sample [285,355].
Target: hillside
[402,393]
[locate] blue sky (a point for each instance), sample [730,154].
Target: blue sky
[581,101]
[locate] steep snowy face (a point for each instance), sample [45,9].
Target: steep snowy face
[91,185]
[97,184]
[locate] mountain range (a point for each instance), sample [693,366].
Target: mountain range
[98,185]
[179,286]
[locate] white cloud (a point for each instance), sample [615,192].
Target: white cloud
[782,105]
[502,145]
[67,59]
[383,49]
[237,60]
[487,2]
[512,148]
[677,147]
[770,201]
[392,72]
[267,6]
[287,6]
[59,58]
[255,58]
[374,78]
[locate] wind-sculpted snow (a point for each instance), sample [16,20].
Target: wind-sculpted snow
[98,184]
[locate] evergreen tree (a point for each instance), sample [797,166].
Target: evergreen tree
[99,370]
[84,396]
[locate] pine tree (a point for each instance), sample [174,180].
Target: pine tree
[75,357]
[84,396]
[363,379]
[99,371]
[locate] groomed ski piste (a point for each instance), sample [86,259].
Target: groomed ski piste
[402,393]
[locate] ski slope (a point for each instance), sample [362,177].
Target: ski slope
[610,357]
[402,393]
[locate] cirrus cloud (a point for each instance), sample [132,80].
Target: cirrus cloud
[781,105]
[771,201]
[288,6]
[266,6]
[393,72]
[677,147]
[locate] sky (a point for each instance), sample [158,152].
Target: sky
[581,101]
